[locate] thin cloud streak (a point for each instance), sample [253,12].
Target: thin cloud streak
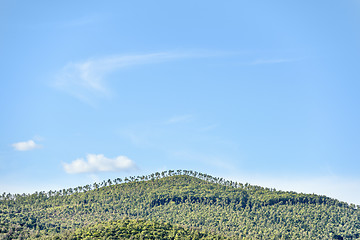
[179,119]
[272,61]
[86,80]
[220,162]
[208,128]
[80,22]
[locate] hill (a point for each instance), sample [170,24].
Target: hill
[186,198]
[136,229]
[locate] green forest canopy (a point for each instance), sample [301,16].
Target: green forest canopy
[180,198]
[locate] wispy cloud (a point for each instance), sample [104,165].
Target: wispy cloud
[82,21]
[87,79]
[38,138]
[26,146]
[208,128]
[99,163]
[69,23]
[180,118]
[220,162]
[137,138]
[272,61]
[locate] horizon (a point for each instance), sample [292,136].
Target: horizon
[254,92]
[174,173]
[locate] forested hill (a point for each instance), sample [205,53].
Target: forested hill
[137,229]
[189,199]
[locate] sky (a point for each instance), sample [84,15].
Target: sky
[263,92]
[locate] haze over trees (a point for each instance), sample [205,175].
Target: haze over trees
[177,204]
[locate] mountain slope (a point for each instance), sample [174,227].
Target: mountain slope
[136,229]
[183,197]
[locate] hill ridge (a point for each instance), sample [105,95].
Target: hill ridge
[183,197]
[161,175]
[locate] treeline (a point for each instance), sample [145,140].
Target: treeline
[274,198]
[109,182]
[182,197]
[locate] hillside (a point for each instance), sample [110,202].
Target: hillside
[136,229]
[186,198]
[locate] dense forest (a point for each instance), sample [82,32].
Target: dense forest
[136,229]
[176,203]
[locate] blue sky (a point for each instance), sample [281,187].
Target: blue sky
[255,91]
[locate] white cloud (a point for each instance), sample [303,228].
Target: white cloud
[26,146]
[85,80]
[99,163]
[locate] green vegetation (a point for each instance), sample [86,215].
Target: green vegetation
[136,229]
[172,198]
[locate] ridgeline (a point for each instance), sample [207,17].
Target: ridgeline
[175,205]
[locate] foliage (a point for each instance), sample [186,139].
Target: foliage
[136,229]
[183,197]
